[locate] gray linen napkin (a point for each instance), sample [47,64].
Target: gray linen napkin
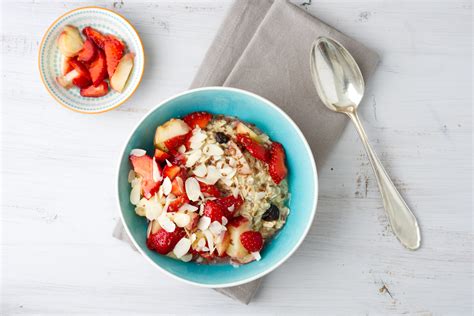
[263,46]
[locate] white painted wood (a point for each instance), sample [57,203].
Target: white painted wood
[58,208]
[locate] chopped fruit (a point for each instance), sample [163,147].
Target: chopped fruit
[98,68]
[254,148]
[177,203]
[214,211]
[97,37]
[169,130]
[81,82]
[200,119]
[118,40]
[113,54]
[276,166]
[121,73]
[177,158]
[271,214]
[171,171]
[222,243]
[252,241]
[193,222]
[161,156]
[241,128]
[143,166]
[80,68]
[88,52]
[175,142]
[70,41]
[66,80]
[95,92]
[177,186]
[209,190]
[66,66]
[187,142]
[236,227]
[221,138]
[230,201]
[163,241]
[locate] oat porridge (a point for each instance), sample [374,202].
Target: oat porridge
[214,190]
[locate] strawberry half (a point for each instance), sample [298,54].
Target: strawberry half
[252,241]
[113,49]
[171,171]
[88,52]
[81,82]
[254,148]
[177,203]
[163,241]
[95,91]
[161,156]
[209,190]
[276,165]
[98,68]
[97,37]
[177,186]
[214,211]
[175,142]
[143,166]
[228,201]
[200,119]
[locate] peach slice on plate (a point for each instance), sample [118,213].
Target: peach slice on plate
[70,41]
[122,72]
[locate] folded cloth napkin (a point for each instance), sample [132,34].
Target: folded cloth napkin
[263,47]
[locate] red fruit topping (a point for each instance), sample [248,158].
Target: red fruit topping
[177,158]
[161,156]
[81,82]
[228,201]
[252,241]
[88,52]
[177,186]
[209,190]
[119,41]
[200,119]
[214,211]
[254,148]
[175,142]
[98,68]
[276,166]
[143,166]
[177,203]
[113,49]
[67,65]
[97,37]
[95,92]
[80,68]
[171,171]
[187,141]
[163,241]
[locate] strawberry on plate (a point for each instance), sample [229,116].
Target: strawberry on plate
[276,165]
[88,52]
[81,82]
[95,91]
[252,241]
[80,68]
[98,68]
[143,166]
[163,242]
[97,37]
[200,119]
[214,211]
[254,148]
[113,49]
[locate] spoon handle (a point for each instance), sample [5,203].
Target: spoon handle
[402,220]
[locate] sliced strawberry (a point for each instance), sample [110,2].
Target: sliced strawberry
[95,92]
[254,148]
[163,241]
[175,142]
[214,211]
[119,41]
[98,68]
[187,141]
[143,166]
[113,49]
[66,65]
[209,190]
[229,201]
[177,158]
[200,119]
[177,186]
[161,156]
[88,52]
[171,171]
[81,82]
[276,166]
[252,241]
[177,203]
[193,222]
[97,37]
[80,68]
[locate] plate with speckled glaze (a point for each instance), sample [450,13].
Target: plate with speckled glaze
[51,61]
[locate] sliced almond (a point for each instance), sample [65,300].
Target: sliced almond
[193,190]
[182,247]
[187,258]
[135,194]
[210,240]
[167,186]
[204,223]
[181,219]
[193,158]
[131,175]
[188,207]
[156,171]
[138,152]
[166,223]
[200,170]
[212,150]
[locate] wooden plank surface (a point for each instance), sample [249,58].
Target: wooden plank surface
[58,205]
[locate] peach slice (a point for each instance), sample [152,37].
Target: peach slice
[169,130]
[122,72]
[70,41]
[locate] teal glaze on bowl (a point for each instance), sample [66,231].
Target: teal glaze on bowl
[303,184]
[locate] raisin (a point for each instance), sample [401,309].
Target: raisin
[272,214]
[221,138]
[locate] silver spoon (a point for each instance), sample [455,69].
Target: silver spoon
[340,86]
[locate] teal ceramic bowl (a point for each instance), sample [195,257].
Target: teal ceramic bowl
[303,182]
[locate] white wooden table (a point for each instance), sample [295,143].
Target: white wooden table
[58,208]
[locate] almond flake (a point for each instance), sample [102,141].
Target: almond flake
[193,190]
[169,164]
[256,255]
[200,170]
[231,208]
[182,247]
[193,158]
[205,249]
[148,231]
[224,220]
[181,219]
[210,240]
[135,194]
[131,175]
[204,223]
[166,186]
[193,237]
[188,207]
[212,176]
[201,209]
[235,192]
[212,150]
[153,207]
[216,228]
[156,171]
[166,223]
[182,149]
[186,258]
[138,152]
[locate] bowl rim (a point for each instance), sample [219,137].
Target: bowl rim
[41,46]
[315,193]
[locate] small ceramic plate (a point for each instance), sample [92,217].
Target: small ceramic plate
[50,59]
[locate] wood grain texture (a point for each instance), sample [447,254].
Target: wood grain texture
[58,205]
